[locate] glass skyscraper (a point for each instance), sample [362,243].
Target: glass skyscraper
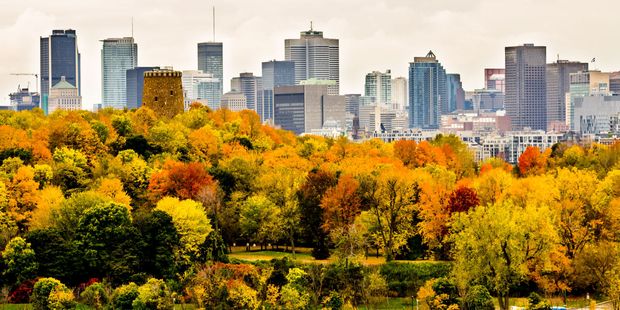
[135,85]
[275,73]
[251,86]
[379,86]
[427,92]
[211,61]
[59,56]
[198,85]
[117,56]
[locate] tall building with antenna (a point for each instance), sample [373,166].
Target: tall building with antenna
[211,61]
[315,57]
[117,56]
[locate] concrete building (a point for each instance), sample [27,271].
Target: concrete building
[487,100]
[558,85]
[211,61]
[201,87]
[427,92]
[251,86]
[315,57]
[275,73]
[485,122]
[400,94]
[495,79]
[163,92]
[117,56]
[235,101]
[134,85]
[595,115]
[352,103]
[23,99]
[455,92]
[304,108]
[614,83]
[379,85]
[59,57]
[584,84]
[526,93]
[64,96]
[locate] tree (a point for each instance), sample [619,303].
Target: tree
[20,262]
[113,189]
[462,199]
[260,220]
[160,242]
[49,293]
[181,180]
[405,150]
[532,161]
[478,298]
[191,223]
[341,204]
[23,196]
[50,200]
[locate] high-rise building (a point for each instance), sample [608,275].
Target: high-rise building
[134,84]
[275,73]
[235,101]
[64,96]
[352,103]
[487,100]
[427,92]
[23,99]
[59,57]
[200,86]
[558,85]
[584,84]
[251,86]
[163,92]
[117,56]
[314,57]
[614,83]
[400,93]
[304,108]
[455,92]
[495,79]
[526,91]
[379,85]
[211,61]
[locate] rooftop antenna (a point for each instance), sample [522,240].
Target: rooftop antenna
[132,26]
[310,26]
[214,23]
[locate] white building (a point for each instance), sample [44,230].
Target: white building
[400,93]
[64,96]
[234,101]
[201,87]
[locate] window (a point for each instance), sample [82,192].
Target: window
[171,92]
[155,98]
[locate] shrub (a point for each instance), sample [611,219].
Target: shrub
[406,279]
[61,298]
[154,294]
[21,294]
[536,302]
[49,293]
[478,298]
[123,296]
[95,296]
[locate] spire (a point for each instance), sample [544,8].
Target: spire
[430,54]
[310,26]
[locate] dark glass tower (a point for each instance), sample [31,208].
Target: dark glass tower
[59,57]
[275,73]
[427,92]
[135,85]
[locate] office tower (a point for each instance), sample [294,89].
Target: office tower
[427,92]
[117,56]
[64,96]
[584,84]
[59,57]
[526,94]
[455,92]
[249,85]
[495,79]
[558,85]
[597,115]
[304,108]
[163,92]
[400,93]
[487,100]
[134,84]
[352,103]
[211,61]
[275,73]
[379,85]
[314,57]
[614,83]
[23,99]
[200,86]
[235,101]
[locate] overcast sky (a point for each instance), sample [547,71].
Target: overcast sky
[466,35]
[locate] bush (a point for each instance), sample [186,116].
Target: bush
[478,298]
[536,302]
[21,294]
[95,296]
[49,293]
[406,279]
[154,294]
[123,296]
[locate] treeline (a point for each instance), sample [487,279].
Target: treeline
[124,198]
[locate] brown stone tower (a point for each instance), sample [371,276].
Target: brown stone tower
[163,92]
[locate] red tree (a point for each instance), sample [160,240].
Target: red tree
[181,180]
[462,199]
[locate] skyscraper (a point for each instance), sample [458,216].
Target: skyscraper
[275,73]
[585,84]
[135,85]
[59,57]
[117,56]
[400,93]
[315,57]
[558,85]
[427,92]
[456,94]
[198,85]
[64,96]
[379,85]
[211,61]
[526,94]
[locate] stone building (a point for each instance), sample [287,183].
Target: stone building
[163,92]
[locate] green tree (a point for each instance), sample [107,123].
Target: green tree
[49,293]
[160,242]
[153,295]
[20,261]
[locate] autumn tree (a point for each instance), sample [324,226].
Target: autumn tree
[181,180]
[405,150]
[532,161]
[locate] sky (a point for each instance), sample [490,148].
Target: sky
[465,35]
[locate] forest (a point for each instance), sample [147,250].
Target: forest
[131,210]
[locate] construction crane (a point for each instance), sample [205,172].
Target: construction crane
[36,77]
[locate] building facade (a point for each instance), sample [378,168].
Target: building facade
[526,93]
[400,93]
[163,92]
[117,56]
[303,108]
[455,92]
[494,78]
[134,85]
[201,87]
[235,101]
[488,100]
[558,85]
[251,86]
[275,73]
[315,57]
[211,61]
[64,96]
[23,99]
[584,84]
[59,56]
[596,115]
[379,85]
[427,92]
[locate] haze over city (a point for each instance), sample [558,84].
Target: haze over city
[466,36]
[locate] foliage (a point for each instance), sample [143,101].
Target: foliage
[95,296]
[479,298]
[154,294]
[49,293]
[123,296]
[19,261]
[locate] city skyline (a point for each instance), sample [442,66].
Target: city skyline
[465,42]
